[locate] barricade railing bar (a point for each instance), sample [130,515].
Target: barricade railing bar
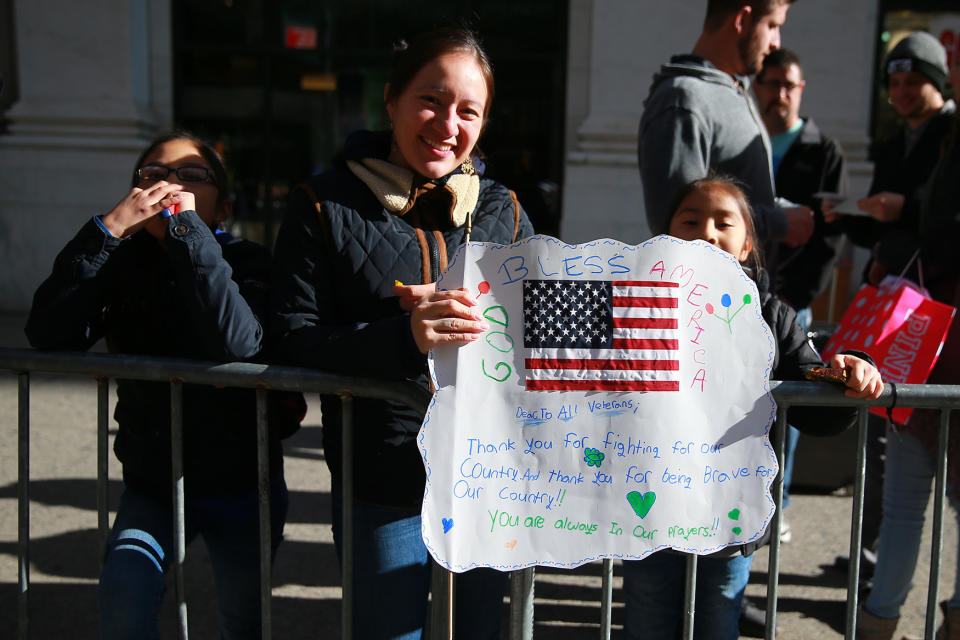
[787,394]
[264,377]
[261,377]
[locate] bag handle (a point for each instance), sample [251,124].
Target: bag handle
[893,404]
[914,257]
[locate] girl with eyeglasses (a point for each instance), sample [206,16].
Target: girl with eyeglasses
[155,277]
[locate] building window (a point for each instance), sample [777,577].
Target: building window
[279,85]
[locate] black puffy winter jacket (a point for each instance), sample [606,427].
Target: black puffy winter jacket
[197,296]
[339,253]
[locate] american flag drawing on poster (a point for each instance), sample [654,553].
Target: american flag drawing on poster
[600,335]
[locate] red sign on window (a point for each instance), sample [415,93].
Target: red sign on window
[946,27]
[300,37]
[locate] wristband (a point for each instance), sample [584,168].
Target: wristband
[170,211]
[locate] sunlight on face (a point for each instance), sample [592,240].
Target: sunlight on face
[439,116]
[713,214]
[181,152]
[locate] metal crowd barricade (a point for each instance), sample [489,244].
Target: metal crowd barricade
[266,377]
[943,397]
[179,372]
[787,394]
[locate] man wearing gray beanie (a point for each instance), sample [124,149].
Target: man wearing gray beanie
[915,72]
[919,52]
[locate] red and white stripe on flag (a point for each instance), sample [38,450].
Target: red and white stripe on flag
[601,335]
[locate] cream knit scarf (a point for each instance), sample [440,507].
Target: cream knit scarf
[394,187]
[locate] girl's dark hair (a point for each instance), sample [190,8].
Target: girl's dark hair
[410,57]
[736,189]
[206,150]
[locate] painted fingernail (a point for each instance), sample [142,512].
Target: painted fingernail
[484,325]
[166,213]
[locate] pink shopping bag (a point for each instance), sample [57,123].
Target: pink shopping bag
[903,331]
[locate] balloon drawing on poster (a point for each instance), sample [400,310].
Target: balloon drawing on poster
[619,404]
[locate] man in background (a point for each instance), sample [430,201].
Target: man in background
[805,162]
[700,116]
[915,73]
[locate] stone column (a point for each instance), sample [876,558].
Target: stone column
[615,47]
[95,82]
[835,43]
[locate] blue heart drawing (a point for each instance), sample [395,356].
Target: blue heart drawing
[447,524]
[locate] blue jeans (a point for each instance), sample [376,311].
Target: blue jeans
[391,577]
[910,468]
[140,549]
[653,592]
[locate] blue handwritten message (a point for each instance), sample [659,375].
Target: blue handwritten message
[618,405]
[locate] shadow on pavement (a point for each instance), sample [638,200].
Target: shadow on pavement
[69,609]
[830,612]
[828,578]
[306,443]
[66,492]
[306,507]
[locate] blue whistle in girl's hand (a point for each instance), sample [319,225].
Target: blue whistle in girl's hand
[172,210]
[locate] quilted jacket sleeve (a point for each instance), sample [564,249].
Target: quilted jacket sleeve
[306,326]
[796,356]
[222,310]
[525,227]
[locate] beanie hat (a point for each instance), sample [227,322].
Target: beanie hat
[919,52]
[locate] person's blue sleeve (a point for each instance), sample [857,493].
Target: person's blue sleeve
[102,226]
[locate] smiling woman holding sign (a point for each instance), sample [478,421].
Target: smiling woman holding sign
[396,205]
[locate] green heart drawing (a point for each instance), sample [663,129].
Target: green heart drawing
[734,514]
[641,502]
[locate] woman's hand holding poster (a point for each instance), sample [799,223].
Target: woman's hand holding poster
[619,404]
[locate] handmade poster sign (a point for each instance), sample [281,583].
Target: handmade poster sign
[619,404]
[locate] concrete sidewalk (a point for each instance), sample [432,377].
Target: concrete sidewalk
[64,547]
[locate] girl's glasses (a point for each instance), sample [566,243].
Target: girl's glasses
[153,173]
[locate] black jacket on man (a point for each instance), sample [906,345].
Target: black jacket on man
[813,163]
[902,171]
